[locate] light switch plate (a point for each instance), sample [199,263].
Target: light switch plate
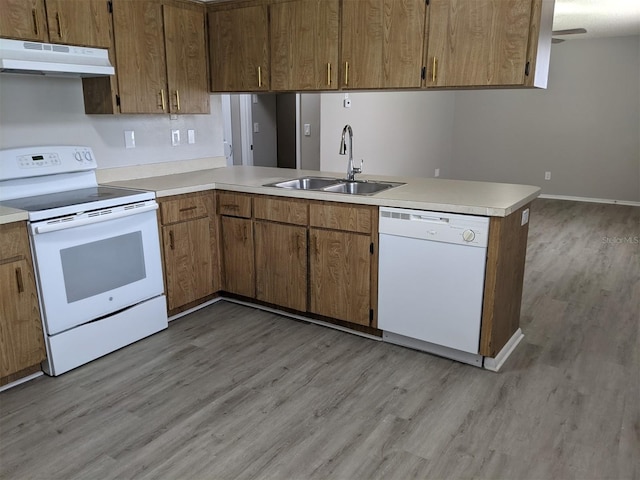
[307,130]
[175,138]
[191,136]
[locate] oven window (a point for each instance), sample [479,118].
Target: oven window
[98,267]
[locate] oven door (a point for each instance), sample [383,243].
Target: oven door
[104,264]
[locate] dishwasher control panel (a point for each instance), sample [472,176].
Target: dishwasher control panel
[435,226]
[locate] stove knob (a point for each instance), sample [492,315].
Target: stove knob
[78,156]
[468,235]
[87,156]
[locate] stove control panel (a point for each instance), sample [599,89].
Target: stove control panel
[36,161]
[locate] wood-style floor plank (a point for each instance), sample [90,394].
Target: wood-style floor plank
[231,392]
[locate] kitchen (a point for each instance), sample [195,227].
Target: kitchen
[107,133]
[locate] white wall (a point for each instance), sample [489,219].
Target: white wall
[310,146]
[584,129]
[50,111]
[265,141]
[396,133]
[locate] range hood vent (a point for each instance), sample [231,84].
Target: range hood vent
[18,56]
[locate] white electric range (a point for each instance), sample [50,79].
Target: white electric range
[96,252]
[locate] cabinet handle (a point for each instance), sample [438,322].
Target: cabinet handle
[172,244]
[186,209]
[162,102]
[19,280]
[58,22]
[34,13]
[177,100]
[259,77]
[231,206]
[346,73]
[329,74]
[434,70]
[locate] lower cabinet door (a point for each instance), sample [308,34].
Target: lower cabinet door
[21,338]
[188,262]
[281,264]
[237,256]
[340,275]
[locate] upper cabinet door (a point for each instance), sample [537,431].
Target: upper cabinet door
[239,49]
[382,43]
[477,43]
[23,19]
[186,60]
[140,56]
[304,45]
[79,22]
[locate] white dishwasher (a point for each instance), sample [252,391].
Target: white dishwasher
[431,281]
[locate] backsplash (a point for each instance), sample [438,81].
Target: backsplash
[45,110]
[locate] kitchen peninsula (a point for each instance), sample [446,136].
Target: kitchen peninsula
[252,228]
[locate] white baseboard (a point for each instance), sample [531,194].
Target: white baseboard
[591,200]
[20,381]
[494,364]
[195,309]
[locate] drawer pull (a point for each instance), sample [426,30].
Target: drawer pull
[232,206]
[186,209]
[19,281]
[36,30]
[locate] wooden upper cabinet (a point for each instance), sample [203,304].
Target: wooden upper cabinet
[23,19]
[140,62]
[185,45]
[382,43]
[477,43]
[304,45]
[79,22]
[239,49]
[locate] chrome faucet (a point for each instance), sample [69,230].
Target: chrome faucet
[351,169]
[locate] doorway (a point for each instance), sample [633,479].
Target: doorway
[272,130]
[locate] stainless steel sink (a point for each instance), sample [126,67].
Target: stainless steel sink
[305,183]
[361,188]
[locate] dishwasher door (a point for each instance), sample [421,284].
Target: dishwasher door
[431,277]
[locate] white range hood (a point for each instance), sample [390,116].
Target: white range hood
[18,56]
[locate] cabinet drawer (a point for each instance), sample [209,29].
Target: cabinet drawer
[285,210]
[234,204]
[186,207]
[349,218]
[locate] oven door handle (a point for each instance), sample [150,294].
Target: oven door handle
[54,227]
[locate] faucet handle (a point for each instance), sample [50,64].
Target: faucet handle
[358,169]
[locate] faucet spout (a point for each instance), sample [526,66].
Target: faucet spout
[351,169]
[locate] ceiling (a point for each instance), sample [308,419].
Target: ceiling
[601,18]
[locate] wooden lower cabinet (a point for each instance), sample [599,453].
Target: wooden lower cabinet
[340,275]
[190,249]
[188,262]
[281,264]
[21,338]
[237,256]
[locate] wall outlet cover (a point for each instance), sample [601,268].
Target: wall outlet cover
[307,130]
[191,136]
[175,138]
[547,175]
[129,139]
[525,217]
[437,173]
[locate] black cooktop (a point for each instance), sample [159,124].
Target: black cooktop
[83,198]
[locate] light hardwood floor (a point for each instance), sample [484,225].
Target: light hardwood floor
[231,392]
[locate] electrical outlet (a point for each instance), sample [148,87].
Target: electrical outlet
[547,175]
[346,103]
[256,127]
[175,138]
[307,130]
[191,136]
[437,173]
[129,139]
[525,217]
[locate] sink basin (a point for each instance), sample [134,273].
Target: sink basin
[305,183]
[360,188]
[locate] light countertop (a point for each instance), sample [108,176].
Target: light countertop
[10,215]
[455,196]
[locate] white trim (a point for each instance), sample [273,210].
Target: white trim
[195,309]
[591,200]
[227,128]
[298,132]
[495,363]
[472,359]
[20,381]
[246,132]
